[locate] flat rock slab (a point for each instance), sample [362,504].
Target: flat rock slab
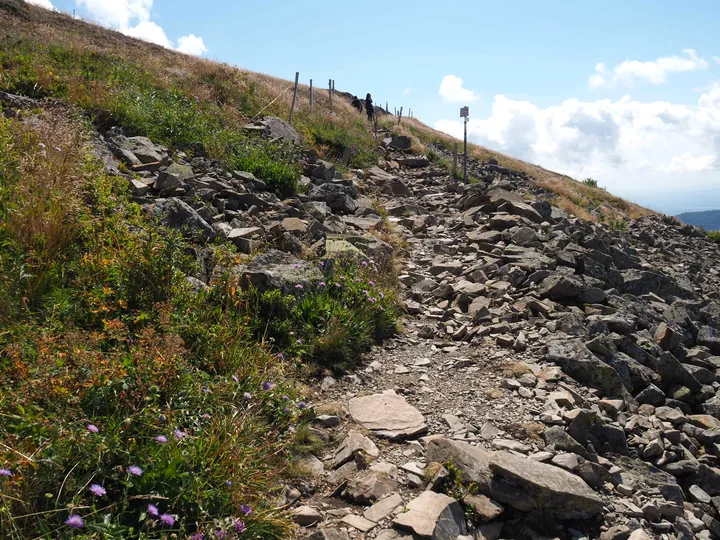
[388,415]
[528,486]
[433,515]
[382,509]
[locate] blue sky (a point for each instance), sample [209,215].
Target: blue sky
[645,122]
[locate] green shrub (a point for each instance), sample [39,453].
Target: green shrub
[714,236]
[590,182]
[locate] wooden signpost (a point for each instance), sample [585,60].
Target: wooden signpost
[465,114]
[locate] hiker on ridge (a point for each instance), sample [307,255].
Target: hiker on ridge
[357,103]
[369,107]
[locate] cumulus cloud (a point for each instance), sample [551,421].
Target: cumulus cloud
[637,149]
[631,72]
[42,3]
[134,18]
[192,45]
[452,91]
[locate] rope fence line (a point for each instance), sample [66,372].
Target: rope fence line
[331,92]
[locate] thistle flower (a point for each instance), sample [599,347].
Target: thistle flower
[302,405]
[234,378]
[364,263]
[239,526]
[322,284]
[153,510]
[281,356]
[299,286]
[97,490]
[179,434]
[162,439]
[267,385]
[92,428]
[247,395]
[42,145]
[135,470]
[291,429]
[285,398]
[197,536]
[58,149]
[167,520]
[74,522]
[228,483]
[245,509]
[5,472]
[220,534]
[371,283]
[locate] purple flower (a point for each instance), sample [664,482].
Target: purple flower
[247,395]
[338,285]
[135,470]
[381,308]
[296,266]
[97,490]
[239,526]
[162,439]
[285,398]
[381,294]
[167,520]
[291,429]
[371,299]
[298,286]
[220,534]
[74,522]
[298,341]
[179,434]
[197,536]
[5,472]
[245,509]
[153,510]
[58,149]
[234,378]
[42,145]
[228,483]
[281,356]
[267,385]
[371,283]
[302,405]
[321,264]
[92,428]
[322,284]
[286,409]
[364,263]
[206,416]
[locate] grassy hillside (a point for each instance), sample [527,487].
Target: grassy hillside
[181,101]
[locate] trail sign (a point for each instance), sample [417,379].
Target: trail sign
[464,112]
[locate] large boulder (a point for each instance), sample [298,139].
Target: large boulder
[639,282]
[528,486]
[275,128]
[140,148]
[339,197]
[388,415]
[365,246]
[434,516]
[559,287]
[279,270]
[473,462]
[577,361]
[709,337]
[178,214]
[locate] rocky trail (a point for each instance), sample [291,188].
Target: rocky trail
[554,379]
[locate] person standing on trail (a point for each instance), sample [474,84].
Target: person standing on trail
[369,107]
[357,103]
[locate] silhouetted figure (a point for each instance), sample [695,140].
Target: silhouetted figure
[357,103]
[369,107]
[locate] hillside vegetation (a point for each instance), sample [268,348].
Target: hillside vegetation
[132,402]
[180,101]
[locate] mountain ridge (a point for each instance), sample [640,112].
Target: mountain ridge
[707,219]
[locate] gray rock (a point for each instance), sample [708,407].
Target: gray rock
[329,534]
[639,282]
[382,509]
[388,415]
[306,516]
[278,270]
[578,362]
[338,197]
[354,442]
[528,486]
[434,516]
[559,287]
[560,440]
[177,214]
[473,462]
[369,487]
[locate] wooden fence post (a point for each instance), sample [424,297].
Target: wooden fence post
[400,117]
[292,107]
[330,91]
[311,96]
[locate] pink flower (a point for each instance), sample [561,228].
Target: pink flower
[92,428]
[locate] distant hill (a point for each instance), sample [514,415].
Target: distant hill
[710,219]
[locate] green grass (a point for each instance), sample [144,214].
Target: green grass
[100,327]
[714,236]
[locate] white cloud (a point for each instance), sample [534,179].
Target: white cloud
[149,31]
[640,150]
[134,18]
[42,3]
[630,72]
[407,90]
[717,59]
[452,91]
[192,44]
